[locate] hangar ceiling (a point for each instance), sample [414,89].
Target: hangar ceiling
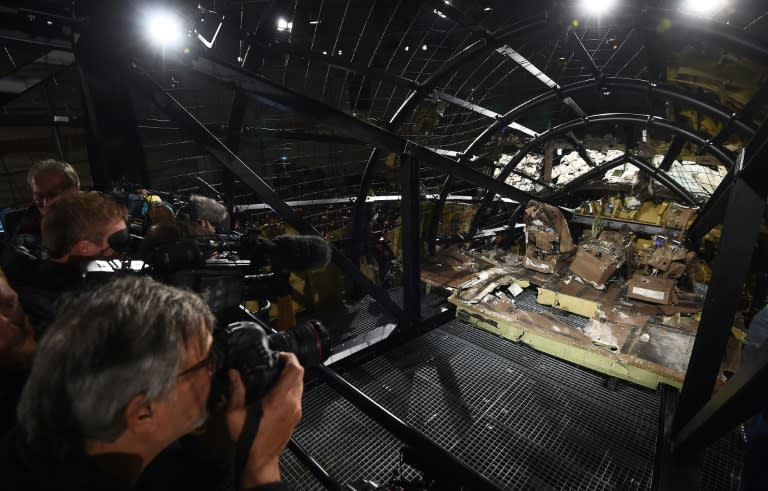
[647,93]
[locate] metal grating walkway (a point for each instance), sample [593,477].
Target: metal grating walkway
[527,301]
[522,418]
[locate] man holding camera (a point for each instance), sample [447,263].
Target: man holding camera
[124,372]
[76,229]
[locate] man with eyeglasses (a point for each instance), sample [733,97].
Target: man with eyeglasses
[49,180]
[123,373]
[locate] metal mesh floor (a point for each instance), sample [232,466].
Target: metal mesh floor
[522,418]
[527,301]
[724,462]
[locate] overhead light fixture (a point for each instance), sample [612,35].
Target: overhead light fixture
[439,14]
[598,7]
[208,28]
[340,52]
[487,7]
[424,47]
[325,52]
[407,48]
[703,6]
[283,25]
[315,22]
[164,29]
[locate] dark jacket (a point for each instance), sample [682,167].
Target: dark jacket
[22,246]
[25,467]
[40,290]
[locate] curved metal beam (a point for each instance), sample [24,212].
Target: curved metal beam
[663,178]
[724,32]
[415,98]
[587,176]
[625,118]
[437,214]
[645,86]
[630,119]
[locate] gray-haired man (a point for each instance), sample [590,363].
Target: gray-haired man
[123,373]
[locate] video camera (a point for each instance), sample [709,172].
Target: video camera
[224,282]
[223,269]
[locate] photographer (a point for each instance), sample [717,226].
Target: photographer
[207,214]
[76,229]
[123,373]
[49,181]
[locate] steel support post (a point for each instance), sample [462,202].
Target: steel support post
[741,398]
[115,150]
[742,219]
[410,218]
[437,214]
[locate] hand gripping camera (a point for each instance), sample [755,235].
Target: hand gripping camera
[246,347]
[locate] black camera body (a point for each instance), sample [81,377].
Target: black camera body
[249,349]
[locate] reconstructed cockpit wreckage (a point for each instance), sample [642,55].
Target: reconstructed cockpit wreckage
[609,284]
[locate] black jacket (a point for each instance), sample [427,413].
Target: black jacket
[40,290]
[24,467]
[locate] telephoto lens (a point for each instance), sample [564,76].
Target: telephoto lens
[309,342]
[246,347]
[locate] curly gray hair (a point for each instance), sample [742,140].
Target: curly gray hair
[106,346]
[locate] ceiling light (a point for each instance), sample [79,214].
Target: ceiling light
[208,26]
[424,47]
[325,52]
[487,7]
[597,7]
[407,48]
[164,29]
[703,6]
[315,22]
[284,25]
[340,52]
[439,14]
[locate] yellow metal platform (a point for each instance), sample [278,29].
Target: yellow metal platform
[642,343]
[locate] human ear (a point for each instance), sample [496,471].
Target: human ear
[139,414]
[82,248]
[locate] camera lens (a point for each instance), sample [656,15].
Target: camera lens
[309,342]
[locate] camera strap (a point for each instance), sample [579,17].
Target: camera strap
[245,442]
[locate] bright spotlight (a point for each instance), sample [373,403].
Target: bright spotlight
[703,6]
[164,29]
[598,7]
[284,25]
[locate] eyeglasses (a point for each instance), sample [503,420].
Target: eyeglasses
[210,363]
[43,197]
